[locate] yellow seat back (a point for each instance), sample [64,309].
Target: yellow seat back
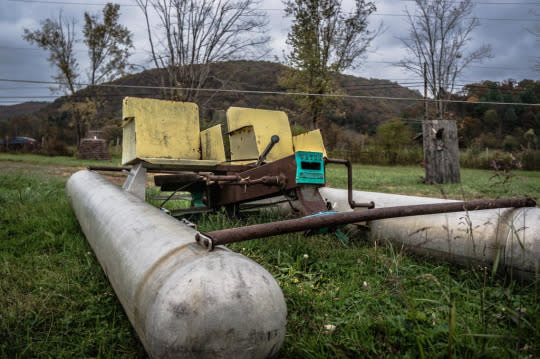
[250,131]
[159,129]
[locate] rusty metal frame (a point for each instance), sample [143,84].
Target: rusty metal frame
[232,235]
[352,203]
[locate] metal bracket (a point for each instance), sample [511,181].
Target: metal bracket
[188,223]
[136,181]
[205,241]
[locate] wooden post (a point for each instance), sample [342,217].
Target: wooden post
[440,145]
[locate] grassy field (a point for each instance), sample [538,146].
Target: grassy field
[363,300]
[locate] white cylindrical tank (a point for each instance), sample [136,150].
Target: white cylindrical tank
[183,301]
[508,236]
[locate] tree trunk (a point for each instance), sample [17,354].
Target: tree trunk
[441,151]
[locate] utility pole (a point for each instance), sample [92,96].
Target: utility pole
[425,131]
[425,93]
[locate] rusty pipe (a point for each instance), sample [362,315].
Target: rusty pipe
[225,236]
[352,203]
[237,180]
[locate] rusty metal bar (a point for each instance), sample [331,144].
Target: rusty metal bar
[108,168]
[352,203]
[224,236]
[126,169]
[273,140]
[236,179]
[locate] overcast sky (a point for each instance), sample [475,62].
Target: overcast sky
[503,25]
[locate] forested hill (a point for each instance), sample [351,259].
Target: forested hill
[21,109]
[362,115]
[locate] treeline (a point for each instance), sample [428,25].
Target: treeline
[490,135]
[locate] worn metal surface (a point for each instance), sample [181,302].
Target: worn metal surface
[245,181]
[183,301]
[212,147]
[311,141]
[136,181]
[510,236]
[310,200]
[193,165]
[109,168]
[227,193]
[264,124]
[296,225]
[159,129]
[273,140]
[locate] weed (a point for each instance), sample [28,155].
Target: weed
[363,300]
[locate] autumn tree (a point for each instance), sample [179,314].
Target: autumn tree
[108,44]
[57,36]
[324,41]
[440,31]
[188,36]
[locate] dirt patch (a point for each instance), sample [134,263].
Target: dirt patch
[117,178]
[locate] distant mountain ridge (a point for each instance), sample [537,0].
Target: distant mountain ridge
[21,109]
[362,115]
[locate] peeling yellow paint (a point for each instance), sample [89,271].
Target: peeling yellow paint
[311,141]
[212,144]
[159,129]
[258,126]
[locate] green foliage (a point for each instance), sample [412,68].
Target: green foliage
[491,119]
[55,300]
[531,138]
[394,136]
[528,160]
[324,41]
[510,143]
[109,44]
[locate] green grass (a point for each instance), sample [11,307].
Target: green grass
[55,301]
[56,160]
[408,180]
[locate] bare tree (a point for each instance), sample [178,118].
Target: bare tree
[108,49]
[57,36]
[439,33]
[324,41]
[193,34]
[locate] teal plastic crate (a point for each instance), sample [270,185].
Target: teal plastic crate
[309,167]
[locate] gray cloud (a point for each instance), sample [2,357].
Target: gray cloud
[515,50]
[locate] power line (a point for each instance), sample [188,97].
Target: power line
[267,92]
[394,63]
[489,3]
[68,2]
[467,18]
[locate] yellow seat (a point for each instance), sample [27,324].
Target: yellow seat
[212,144]
[250,131]
[159,129]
